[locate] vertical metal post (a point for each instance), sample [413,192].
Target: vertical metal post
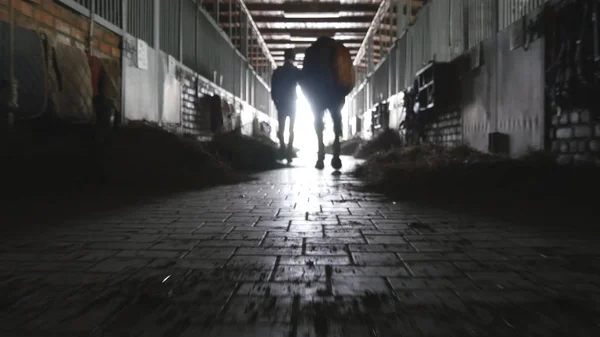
[243,45]
[495,19]
[91,30]
[156,25]
[124,63]
[393,50]
[232,65]
[156,30]
[181,30]
[245,35]
[465,11]
[400,26]
[246,53]
[370,54]
[370,66]
[196,14]
[495,29]
[217,10]
[230,20]
[409,13]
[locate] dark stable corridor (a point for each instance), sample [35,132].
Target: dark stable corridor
[298,252]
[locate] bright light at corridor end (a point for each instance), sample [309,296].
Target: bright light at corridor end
[305,137]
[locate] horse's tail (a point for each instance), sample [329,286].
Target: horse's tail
[344,68]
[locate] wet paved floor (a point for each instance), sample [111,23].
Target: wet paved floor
[296,253]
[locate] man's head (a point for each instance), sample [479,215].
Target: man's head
[289,55]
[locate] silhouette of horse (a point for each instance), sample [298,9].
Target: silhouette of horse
[327,78]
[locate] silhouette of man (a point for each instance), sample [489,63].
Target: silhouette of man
[283,92]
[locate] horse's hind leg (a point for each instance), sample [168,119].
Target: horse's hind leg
[336,115]
[319,127]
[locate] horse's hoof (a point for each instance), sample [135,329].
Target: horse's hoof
[281,153]
[320,165]
[336,163]
[289,161]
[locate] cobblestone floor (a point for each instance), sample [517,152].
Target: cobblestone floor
[296,253]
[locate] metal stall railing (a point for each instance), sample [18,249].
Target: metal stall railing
[184,30]
[108,13]
[442,31]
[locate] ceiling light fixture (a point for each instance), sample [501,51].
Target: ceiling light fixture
[280,37]
[308,15]
[302,39]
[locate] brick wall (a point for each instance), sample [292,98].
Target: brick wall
[64,25]
[575,136]
[445,130]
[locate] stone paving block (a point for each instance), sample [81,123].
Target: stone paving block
[252,262]
[323,249]
[196,236]
[241,229]
[157,254]
[433,269]
[210,253]
[369,271]
[273,224]
[333,233]
[306,228]
[377,259]
[115,264]
[352,225]
[334,241]
[367,248]
[241,235]
[409,284]
[268,251]
[393,232]
[365,212]
[281,242]
[57,265]
[385,239]
[436,247]
[301,273]
[186,224]
[315,260]
[258,310]
[229,243]
[500,280]
[286,289]
[185,263]
[179,245]
[434,256]
[294,235]
[359,286]
[248,220]
[119,245]
[78,317]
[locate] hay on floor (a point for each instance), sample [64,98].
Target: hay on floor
[384,141]
[462,174]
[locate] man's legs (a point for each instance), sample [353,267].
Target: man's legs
[281,116]
[290,147]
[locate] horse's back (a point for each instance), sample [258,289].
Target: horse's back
[344,69]
[328,66]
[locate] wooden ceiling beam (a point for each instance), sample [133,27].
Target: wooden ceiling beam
[312,7]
